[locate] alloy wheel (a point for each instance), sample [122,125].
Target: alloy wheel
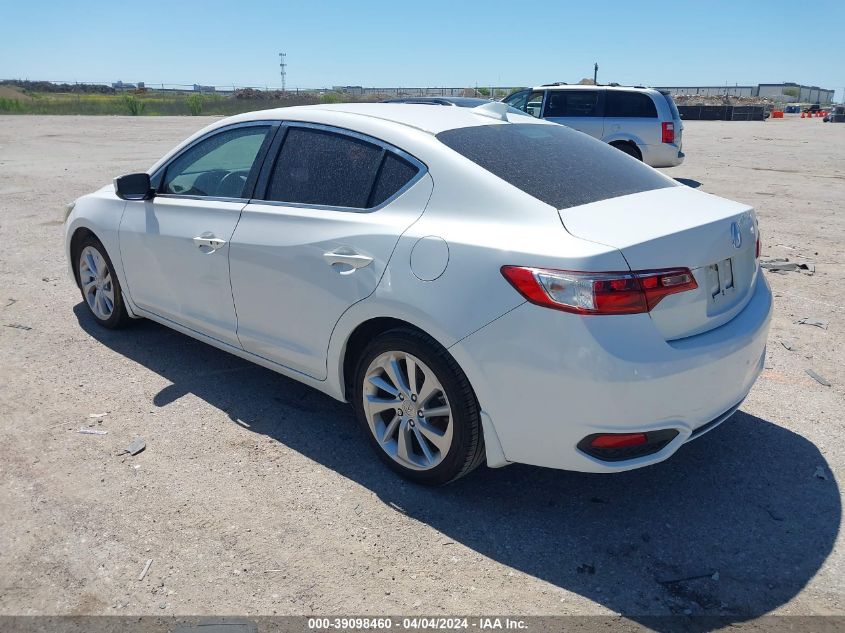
[407,410]
[96,281]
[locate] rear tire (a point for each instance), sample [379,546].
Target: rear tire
[417,408]
[630,149]
[99,285]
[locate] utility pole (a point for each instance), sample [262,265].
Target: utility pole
[283,68]
[596,73]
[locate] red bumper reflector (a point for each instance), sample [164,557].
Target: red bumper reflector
[618,440]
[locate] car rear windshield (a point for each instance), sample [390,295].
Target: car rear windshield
[553,163]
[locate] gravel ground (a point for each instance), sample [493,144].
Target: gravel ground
[258,496]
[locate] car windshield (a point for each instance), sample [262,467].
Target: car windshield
[553,163]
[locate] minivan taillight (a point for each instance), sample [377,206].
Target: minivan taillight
[598,293]
[668,131]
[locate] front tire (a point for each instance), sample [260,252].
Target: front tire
[99,284]
[417,408]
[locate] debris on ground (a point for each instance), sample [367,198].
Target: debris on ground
[136,446]
[11,302]
[93,431]
[789,345]
[97,415]
[146,569]
[18,326]
[813,322]
[778,264]
[819,379]
[820,473]
[783,265]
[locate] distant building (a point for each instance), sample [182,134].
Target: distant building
[119,85]
[783,93]
[199,88]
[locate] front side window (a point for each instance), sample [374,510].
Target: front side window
[629,105]
[219,166]
[320,167]
[527,101]
[572,103]
[518,100]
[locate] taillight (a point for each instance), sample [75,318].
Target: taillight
[668,131]
[598,293]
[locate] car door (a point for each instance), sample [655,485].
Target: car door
[333,208]
[579,109]
[175,247]
[632,116]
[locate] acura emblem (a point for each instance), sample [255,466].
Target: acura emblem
[736,235]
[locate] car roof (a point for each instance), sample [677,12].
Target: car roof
[418,116]
[465,101]
[592,87]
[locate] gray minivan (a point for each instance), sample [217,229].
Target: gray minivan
[642,122]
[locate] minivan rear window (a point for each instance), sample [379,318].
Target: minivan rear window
[668,96]
[553,163]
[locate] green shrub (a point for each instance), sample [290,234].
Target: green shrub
[331,97]
[133,104]
[10,105]
[195,104]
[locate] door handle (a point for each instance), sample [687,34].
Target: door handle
[209,242]
[348,257]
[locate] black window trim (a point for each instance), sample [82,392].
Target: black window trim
[253,178]
[263,182]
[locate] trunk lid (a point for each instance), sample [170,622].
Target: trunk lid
[680,227]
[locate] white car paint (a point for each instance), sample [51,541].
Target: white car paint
[544,378]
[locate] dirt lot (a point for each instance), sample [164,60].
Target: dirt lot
[256,495]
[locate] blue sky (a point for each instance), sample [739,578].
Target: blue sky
[432,43]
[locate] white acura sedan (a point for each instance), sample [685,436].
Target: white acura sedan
[479,284]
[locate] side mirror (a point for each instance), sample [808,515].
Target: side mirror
[133,187]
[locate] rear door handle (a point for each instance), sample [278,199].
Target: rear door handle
[348,257]
[209,242]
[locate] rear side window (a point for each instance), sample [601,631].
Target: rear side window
[554,163]
[395,173]
[325,168]
[619,103]
[672,107]
[572,103]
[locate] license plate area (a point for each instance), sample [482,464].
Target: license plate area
[721,285]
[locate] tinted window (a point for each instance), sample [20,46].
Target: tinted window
[517,100]
[629,104]
[572,103]
[395,173]
[672,106]
[529,102]
[553,163]
[219,166]
[320,167]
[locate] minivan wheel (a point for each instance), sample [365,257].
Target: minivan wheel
[628,148]
[417,408]
[99,284]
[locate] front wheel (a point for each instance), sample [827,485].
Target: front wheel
[99,284]
[417,408]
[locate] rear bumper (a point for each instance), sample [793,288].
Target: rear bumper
[548,379]
[662,155]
